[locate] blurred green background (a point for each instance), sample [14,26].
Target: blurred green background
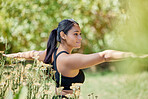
[27,24]
[106,24]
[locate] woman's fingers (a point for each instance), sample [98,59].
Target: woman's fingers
[143,56]
[11,55]
[131,55]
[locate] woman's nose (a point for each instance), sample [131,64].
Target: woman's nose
[79,37]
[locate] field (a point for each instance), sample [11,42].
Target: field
[115,86]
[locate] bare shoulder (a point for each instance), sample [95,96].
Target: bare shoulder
[69,60]
[63,58]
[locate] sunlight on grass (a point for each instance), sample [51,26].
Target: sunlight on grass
[116,86]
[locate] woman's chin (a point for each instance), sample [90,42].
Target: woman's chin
[78,47]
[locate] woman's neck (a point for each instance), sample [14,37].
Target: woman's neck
[65,48]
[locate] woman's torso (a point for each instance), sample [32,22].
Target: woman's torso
[69,77]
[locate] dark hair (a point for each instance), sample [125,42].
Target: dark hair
[65,25]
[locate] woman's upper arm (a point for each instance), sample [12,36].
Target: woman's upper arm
[42,55]
[81,61]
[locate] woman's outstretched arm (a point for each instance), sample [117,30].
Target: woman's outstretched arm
[81,61]
[113,55]
[28,55]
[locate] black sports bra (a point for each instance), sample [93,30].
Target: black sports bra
[66,82]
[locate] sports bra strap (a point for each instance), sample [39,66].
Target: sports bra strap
[61,53]
[55,56]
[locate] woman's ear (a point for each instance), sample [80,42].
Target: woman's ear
[62,34]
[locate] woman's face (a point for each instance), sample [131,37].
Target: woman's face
[73,37]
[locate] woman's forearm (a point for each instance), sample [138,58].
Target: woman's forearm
[26,55]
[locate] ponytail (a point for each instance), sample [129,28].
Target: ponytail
[51,46]
[65,26]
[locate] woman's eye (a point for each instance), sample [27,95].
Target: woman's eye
[75,34]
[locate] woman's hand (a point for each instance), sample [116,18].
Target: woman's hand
[15,55]
[112,55]
[129,55]
[26,55]
[38,55]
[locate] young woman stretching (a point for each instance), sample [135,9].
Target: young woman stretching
[68,34]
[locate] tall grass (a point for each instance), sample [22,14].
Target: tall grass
[19,80]
[25,80]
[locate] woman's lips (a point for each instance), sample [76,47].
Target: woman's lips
[78,42]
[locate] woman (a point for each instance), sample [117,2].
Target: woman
[68,34]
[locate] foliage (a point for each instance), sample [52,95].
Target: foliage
[131,35]
[26,24]
[131,31]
